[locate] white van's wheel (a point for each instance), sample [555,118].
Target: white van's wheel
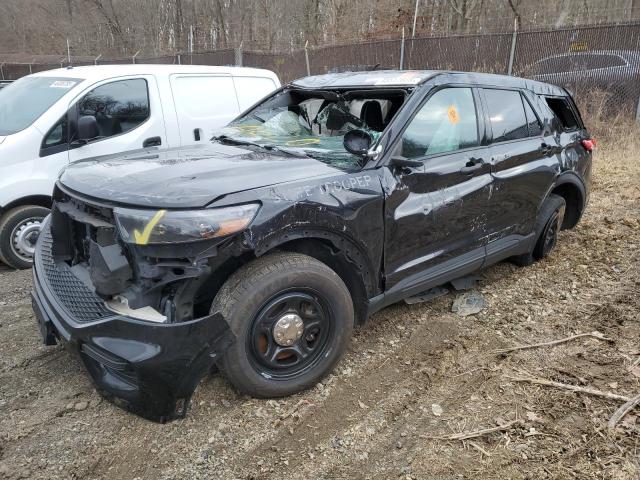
[19,230]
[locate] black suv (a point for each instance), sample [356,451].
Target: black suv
[330,199]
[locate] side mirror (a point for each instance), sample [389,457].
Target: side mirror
[87,128]
[357,142]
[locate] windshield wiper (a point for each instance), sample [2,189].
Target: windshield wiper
[236,141]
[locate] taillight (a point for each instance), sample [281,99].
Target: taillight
[589,144]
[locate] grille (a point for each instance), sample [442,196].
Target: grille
[80,302]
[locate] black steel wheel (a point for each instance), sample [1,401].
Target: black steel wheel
[547,226]
[292,317]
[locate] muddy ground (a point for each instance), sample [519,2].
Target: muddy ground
[413,375]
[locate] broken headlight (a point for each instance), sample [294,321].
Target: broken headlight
[148,227]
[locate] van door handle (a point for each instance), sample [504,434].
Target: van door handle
[196,134]
[152,142]
[473,165]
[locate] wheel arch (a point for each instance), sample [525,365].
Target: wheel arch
[570,187]
[336,251]
[36,200]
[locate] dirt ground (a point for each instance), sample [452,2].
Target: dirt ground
[413,375]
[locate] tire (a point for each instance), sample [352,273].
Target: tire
[261,300]
[19,228]
[547,226]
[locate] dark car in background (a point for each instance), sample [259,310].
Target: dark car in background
[329,200]
[610,71]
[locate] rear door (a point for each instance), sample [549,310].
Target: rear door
[203,104]
[435,213]
[129,115]
[522,161]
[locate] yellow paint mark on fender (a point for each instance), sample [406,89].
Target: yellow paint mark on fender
[143,238]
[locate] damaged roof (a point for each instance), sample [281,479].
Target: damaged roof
[407,78]
[373,78]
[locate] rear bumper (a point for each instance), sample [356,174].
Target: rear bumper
[150,369]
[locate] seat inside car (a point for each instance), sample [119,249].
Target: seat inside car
[371,115]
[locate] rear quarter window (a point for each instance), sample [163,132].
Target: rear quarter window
[563,111]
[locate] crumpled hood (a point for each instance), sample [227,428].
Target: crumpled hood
[185,177]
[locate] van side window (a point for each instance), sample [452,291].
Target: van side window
[446,122]
[506,114]
[118,106]
[535,127]
[564,113]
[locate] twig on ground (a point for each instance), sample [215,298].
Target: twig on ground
[594,334]
[622,411]
[573,388]
[477,433]
[479,448]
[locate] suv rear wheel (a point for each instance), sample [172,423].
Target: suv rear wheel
[548,224]
[19,230]
[292,317]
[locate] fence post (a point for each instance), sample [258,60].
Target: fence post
[2,70]
[95,60]
[513,47]
[179,59]
[68,51]
[402,50]
[306,57]
[238,55]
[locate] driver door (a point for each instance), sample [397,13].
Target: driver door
[435,211]
[129,117]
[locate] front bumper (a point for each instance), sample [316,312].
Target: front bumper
[150,369]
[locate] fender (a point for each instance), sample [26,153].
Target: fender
[31,187]
[341,242]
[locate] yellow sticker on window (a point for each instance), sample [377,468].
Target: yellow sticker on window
[452,113]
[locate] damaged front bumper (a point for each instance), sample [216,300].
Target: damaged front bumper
[150,369]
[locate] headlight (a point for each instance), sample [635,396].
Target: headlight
[144,227]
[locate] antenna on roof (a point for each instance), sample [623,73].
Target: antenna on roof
[69,52]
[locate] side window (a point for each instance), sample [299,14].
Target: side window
[506,114]
[564,113]
[535,128]
[446,122]
[58,135]
[118,106]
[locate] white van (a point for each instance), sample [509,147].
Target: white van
[52,118]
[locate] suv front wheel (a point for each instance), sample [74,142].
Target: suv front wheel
[292,317]
[19,230]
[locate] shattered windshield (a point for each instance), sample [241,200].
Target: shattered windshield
[314,123]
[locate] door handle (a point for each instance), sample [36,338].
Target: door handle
[152,142]
[473,165]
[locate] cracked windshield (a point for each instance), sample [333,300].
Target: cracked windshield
[314,125]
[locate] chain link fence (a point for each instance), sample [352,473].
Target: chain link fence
[601,60]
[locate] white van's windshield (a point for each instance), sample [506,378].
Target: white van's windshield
[22,102]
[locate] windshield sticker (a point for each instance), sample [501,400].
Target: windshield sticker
[62,84]
[452,113]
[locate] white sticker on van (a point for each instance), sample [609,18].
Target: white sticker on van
[62,84]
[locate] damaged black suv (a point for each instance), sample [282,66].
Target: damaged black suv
[332,198]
